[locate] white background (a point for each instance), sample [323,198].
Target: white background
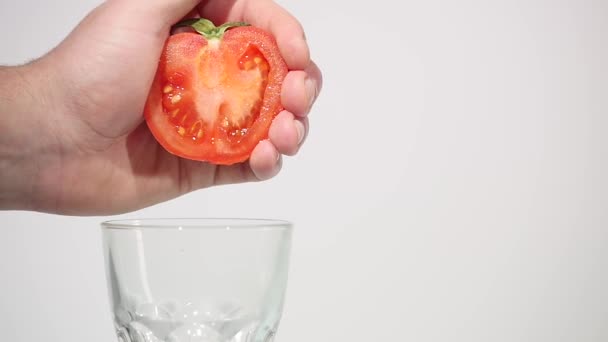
[453,186]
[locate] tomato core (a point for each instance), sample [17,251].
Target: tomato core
[232,87]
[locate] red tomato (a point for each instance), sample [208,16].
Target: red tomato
[216,92]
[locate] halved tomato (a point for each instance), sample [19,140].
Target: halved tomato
[216,91]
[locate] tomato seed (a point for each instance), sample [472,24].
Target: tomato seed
[175,99]
[167,89]
[195,127]
[248,65]
[181,131]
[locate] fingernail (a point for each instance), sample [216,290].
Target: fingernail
[300,129]
[311,92]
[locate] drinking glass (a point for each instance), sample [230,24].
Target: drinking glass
[196,280]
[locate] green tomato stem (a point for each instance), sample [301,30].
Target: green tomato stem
[206,28]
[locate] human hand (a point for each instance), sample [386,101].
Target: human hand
[83,147]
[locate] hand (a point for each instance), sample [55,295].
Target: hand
[74,129]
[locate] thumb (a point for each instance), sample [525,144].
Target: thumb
[111,57]
[158,15]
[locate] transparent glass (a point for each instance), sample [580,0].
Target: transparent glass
[196,280]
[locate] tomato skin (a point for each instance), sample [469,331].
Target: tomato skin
[192,66]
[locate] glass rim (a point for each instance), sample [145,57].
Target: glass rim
[198,223]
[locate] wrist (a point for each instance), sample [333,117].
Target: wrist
[24,135]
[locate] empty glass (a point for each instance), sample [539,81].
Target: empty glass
[196,280]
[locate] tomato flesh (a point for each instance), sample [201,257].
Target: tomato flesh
[213,100]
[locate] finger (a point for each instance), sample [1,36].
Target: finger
[287,133]
[265,160]
[301,89]
[286,29]
[268,16]
[191,15]
[199,177]
[225,174]
[220,12]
